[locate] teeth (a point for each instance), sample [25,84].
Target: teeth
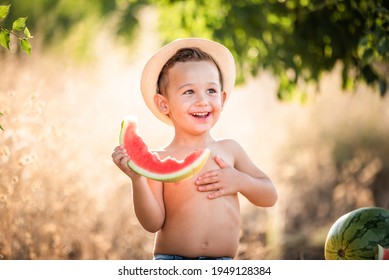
[201,115]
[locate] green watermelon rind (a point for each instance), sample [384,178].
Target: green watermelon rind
[180,175]
[131,119]
[356,234]
[380,252]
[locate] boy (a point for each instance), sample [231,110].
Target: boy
[186,84]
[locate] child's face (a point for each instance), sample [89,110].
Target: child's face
[193,98]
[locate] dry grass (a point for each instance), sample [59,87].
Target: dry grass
[61,197]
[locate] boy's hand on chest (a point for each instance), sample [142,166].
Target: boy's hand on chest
[220,181]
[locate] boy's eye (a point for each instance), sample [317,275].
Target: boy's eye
[211,90]
[189,92]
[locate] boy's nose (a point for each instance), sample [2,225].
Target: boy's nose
[201,100]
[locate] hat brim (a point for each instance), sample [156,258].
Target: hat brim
[153,67]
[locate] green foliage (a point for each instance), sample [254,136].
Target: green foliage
[297,40]
[19,29]
[70,26]
[4,10]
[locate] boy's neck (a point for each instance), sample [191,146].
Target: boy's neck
[192,141]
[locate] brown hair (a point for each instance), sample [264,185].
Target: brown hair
[184,55]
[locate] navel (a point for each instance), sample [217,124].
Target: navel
[204,245]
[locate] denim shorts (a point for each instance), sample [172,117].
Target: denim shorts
[175,257]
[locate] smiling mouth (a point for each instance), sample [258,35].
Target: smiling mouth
[201,115]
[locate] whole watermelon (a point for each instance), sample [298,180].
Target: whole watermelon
[355,235]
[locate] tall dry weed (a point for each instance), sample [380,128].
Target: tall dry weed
[334,160]
[60,197]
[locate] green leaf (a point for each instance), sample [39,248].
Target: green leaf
[19,24]
[367,55]
[364,42]
[27,33]
[4,38]
[26,46]
[383,46]
[4,11]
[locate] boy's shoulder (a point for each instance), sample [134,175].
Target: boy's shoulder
[228,143]
[229,150]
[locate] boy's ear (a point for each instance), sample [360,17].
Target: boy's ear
[224,97]
[161,103]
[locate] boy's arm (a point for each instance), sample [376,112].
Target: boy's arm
[147,194]
[244,177]
[254,184]
[148,203]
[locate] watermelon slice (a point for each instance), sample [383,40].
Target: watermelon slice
[149,164]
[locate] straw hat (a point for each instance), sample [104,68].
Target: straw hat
[153,67]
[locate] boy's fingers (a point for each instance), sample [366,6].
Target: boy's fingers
[207,179]
[124,161]
[208,174]
[222,164]
[117,156]
[216,194]
[119,150]
[209,187]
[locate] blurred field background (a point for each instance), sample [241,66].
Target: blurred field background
[61,197]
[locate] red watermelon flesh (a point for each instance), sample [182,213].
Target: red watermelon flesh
[150,165]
